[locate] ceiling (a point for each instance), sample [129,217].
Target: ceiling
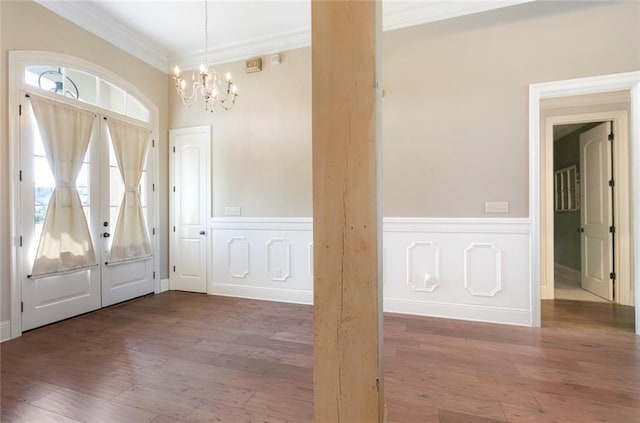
[169,32]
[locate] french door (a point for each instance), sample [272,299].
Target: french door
[53,297]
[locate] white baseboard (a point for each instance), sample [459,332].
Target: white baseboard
[5,330]
[567,272]
[164,285]
[518,317]
[262,293]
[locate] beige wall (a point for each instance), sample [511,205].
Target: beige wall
[27,26]
[455,111]
[262,147]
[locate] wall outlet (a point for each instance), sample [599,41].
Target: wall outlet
[233,211]
[496,207]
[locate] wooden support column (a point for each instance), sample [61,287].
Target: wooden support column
[347,225]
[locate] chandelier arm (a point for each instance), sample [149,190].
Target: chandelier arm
[207,83]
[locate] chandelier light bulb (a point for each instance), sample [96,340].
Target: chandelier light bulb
[208,84]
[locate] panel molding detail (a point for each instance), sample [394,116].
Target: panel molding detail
[473,276]
[5,330]
[427,277]
[275,272]
[479,267]
[236,270]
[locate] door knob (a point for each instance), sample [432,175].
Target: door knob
[580,229]
[202,232]
[106,235]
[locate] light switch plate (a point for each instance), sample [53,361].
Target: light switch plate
[496,207]
[232,211]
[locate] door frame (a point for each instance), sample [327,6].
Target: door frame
[541,241]
[621,214]
[18,59]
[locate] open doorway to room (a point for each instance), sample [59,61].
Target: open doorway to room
[574,146]
[588,266]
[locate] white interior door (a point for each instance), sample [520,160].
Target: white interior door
[190,207]
[123,280]
[596,211]
[53,298]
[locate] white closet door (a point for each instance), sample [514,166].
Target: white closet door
[190,208]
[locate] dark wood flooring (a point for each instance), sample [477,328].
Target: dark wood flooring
[180,357]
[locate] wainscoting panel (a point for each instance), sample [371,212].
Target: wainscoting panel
[5,330]
[472,269]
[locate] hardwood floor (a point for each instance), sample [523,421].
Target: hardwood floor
[180,357]
[588,314]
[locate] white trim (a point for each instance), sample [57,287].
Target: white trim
[590,85]
[404,14]
[164,285]
[391,224]
[5,330]
[396,15]
[262,293]
[89,17]
[567,272]
[635,189]
[18,59]
[476,313]
[245,49]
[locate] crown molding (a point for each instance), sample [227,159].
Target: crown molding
[402,15]
[396,15]
[245,49]
[85,15]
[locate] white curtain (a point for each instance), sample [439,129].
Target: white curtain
[65,244]
[130,239]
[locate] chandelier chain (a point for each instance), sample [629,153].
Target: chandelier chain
[206,32]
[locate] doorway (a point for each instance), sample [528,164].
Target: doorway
[84,201]
[54,286]
[584,254]
[565,110]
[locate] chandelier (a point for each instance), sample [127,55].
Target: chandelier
[206,82]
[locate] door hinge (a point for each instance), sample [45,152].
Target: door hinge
[153,231]
[174,268]
[610,136]
[21,306]
[174,229]
[154,275]
[378,385]
[612,229]
[153,187]
[612,183]
[153,143]
[19,109]
[20,175]
[612,275]
[174,148]
[174,188]
[21,240]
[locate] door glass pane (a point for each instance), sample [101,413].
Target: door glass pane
[111,97]
[85,83]
[136,110]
